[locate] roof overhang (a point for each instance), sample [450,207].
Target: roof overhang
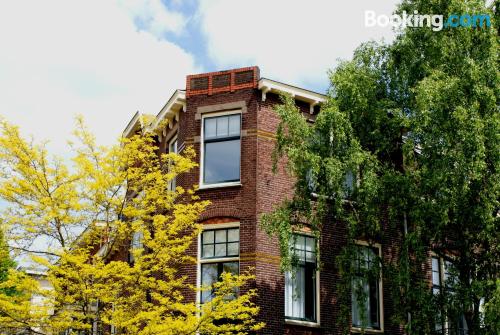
[310,97]
[170,111]
[167,114]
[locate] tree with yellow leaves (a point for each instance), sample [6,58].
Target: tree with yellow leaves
[84,211]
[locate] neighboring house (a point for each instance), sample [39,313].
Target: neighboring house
[228,118]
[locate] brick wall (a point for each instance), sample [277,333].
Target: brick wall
[260,191]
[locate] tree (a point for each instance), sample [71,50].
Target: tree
[85,211]
[417,123]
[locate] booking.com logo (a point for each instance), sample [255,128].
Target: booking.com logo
[437,22]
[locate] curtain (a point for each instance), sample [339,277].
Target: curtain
[295,293]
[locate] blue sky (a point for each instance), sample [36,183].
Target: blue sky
[108,59]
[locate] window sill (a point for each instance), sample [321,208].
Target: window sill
[219,185]
[357,330]
[302,323]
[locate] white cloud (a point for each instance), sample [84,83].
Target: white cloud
[291,40]
[155,17]
[61,58]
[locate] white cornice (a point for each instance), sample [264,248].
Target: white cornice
[133,125]
[176,103]
[311,97]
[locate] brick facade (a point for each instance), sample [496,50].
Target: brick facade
[259,192]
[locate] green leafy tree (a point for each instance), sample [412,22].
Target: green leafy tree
[417,124]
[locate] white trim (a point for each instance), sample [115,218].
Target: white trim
[380,288]
[200,261]
[133,125]
[302,323]
[318,284]
[311,97]
[171,109]
[203,186]
[228,184]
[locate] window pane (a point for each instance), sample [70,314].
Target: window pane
[365,291]
[209,276]
[373,304]
[220,236]
[173,147]
[299,242]
[222,161]
[208,237]
[233,249]
[210,128]
[208,251]
[234,125]
[310,244]
[310,257]
[220,250]
[231,267]
[222,126]
[435,278]
[295,294]
[233,235]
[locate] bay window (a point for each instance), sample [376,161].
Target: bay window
[301,282]
[221,137]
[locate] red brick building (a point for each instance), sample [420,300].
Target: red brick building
[228,118]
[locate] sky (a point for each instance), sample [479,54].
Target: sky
[107,59]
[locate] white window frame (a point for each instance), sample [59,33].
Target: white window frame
[201,261]
[354,329]
[442,281]
[172,183]
[202,185]
[304,323]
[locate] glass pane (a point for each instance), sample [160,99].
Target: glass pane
[208,237]
[173,147]
[295,293]
[310,244]
[231,267]
[222,162]
[220,236]
[233,235]
[220,250]
[233,249]
[210,128]
[435,278]
[299,242]
[310,257]
[209,276]
[222,126]
[208,251]
[234,125]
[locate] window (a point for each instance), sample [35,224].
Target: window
[135,243]
[220,251]
[221,149]
[172,148]
[443,280]
[365,299]
[301,282]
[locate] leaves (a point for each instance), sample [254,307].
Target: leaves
[85,211]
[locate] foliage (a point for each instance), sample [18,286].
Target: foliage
[417,122]
[85,213]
